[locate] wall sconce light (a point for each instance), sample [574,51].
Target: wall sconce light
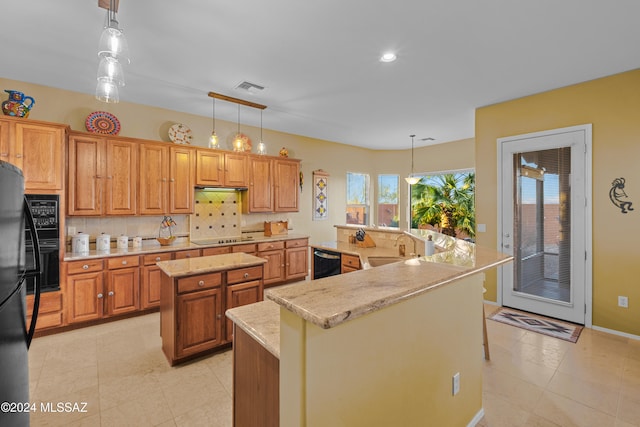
[412,180]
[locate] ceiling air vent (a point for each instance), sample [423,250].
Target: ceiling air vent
[249,87]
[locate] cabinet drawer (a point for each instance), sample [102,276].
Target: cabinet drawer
[297,243]
[86,266]
[196,283]
[351,261]
[244,275]
[269,246]
[216,251]
[188,254]
[247,248]
[49,302]
[153,258]
[123,262]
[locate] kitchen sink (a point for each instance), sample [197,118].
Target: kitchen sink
[376,261]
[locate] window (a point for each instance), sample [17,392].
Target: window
[357,198]
[445,202]
[388,208]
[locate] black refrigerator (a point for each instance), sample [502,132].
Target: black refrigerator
[15,336]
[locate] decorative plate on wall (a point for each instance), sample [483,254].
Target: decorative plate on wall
[102,122]
[180,134]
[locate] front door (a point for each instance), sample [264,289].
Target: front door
[544,221]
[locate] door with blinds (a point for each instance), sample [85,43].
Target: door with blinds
[544,222]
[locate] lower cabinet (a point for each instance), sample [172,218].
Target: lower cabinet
[192,320]
[49,312]
[297,257]
[274,268]
[151,275]
[349,263]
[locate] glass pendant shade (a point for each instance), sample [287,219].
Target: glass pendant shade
[107,91]
[213,140]
[109,69]
[238,143]
[262,149]
[113,43]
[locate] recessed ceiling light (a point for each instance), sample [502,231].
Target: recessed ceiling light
[388,57]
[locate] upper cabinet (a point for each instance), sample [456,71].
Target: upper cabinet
[181,179]
[259,197]
[102,176]
[286,181]
[37,148]
[221,169]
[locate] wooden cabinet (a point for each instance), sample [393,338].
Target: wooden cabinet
[259,196]
[244,286]
[235,170]
[37,148]
[209,168]
[274,268]
[297,259]
[286,182]
[154,182]
[151,275]
[349,263]
[83,290]
[181,180]
[247,248]
[219,250]
[50,311]
[102,176]
[123,285]
[189,253]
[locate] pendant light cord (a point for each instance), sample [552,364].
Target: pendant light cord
[412,136]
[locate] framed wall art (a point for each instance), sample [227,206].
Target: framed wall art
[320,195]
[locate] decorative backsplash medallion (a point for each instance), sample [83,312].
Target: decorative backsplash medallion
[217,215]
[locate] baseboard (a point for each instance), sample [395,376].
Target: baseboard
[474,422]
[491,303]
[614,332]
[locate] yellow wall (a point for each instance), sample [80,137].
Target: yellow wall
[612,105]
[389,367]
[140,121]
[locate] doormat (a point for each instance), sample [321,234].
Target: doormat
[542,325]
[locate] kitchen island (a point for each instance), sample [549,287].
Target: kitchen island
[195,292]
[376,347]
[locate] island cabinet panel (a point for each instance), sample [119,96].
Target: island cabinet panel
[154,179]
[241,294]
[256,383]
[37,148]
[199,321]
[151,276]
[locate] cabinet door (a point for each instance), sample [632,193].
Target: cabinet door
[235,170]
[121,178]
[5,141]
[287,179]
[260,192]
[274,267]
[241,294]
[296,263]
[85,169]
[209,168]
[123,290]
[198,321]
[84,297]
[42,149]
[154,168]
[181,180]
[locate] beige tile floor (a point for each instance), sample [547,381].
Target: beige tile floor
[120,371]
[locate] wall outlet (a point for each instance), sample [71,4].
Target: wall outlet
[623,302]
[455,384]
[71,231]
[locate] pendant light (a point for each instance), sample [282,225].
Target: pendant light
[112,50]
[412,180]
[238,142]
[262,149]
[213,139]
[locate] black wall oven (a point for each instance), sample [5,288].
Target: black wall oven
[45,209]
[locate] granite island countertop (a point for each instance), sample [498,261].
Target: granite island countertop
[208,264]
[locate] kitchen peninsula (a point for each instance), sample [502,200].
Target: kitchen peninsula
[193,296]
[375,347]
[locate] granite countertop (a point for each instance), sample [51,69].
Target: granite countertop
[334,300]
[155,247]
[261,321]
[208,264]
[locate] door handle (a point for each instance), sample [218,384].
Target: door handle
[506,245]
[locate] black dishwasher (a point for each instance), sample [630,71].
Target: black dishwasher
[325,263]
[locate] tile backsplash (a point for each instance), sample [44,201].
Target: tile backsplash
[217,215]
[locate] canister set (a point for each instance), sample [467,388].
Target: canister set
[80,243]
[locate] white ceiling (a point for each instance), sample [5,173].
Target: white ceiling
[319,59]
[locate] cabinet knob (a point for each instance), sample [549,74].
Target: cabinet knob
[246,275]
[164,179]
[124,262]
[172,180]
[18,156]
[188,256]
[157,258]
[109,177]
[99,296]
[4,154]
[110,293]
[85,267]
[219,316]
[201,283]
